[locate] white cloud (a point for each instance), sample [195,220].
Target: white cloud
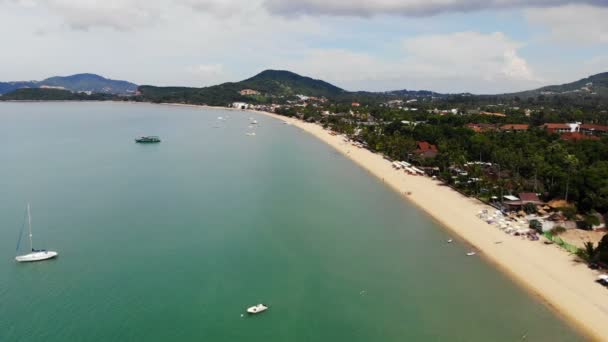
[489,56]
[84,14]
[129,14]
[414,8]
[340,65]
[463,61]
[579,24]
[206,70]
[223,8]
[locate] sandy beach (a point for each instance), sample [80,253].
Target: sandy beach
[547,271]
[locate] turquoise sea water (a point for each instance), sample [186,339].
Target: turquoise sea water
[171,242]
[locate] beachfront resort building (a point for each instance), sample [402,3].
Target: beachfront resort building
[591,129]
[561,127]
[240,105]
[426,150]
[246,92]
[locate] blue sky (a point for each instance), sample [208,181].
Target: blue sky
[487,46]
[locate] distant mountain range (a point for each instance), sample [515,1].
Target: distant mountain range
[596,85]
[278,83]
[273,84]
[89,83]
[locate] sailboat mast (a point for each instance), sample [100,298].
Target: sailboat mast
[29,220]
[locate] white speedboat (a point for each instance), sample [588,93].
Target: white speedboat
[35,254]
[256,309]
[450,240]
[471,253]
[250,134]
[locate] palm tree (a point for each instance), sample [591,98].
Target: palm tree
[571,163]
[588,253]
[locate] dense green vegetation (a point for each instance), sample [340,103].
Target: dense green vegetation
[41,94]
[528,161]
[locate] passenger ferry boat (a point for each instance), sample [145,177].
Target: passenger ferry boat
[148,139]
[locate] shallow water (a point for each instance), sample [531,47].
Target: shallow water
[172,241]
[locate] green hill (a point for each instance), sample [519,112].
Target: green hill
[592,86]
[76,83]
[269,83]
[90,82]
[45,94]
[286,83]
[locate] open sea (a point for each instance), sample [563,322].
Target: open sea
[173,241]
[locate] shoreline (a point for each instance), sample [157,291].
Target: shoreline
[546,272]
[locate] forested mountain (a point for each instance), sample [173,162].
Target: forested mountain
[75,83]
[279,82]
[92,83]
[271,84]
[596,85]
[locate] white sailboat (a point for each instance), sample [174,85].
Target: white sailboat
[36,254]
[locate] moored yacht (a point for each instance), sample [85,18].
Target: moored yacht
[35,254]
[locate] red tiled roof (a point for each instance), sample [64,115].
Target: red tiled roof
[515,127]
[556,126]
[424,146]
[595,127]
[575,136]
[493,114]
[529,197]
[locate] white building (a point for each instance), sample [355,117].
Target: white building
[240,105]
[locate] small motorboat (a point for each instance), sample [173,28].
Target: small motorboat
[471,253]
[450,240]
[148,139]
[250,134]
[256,309]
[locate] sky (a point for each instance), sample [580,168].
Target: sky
[478,46]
